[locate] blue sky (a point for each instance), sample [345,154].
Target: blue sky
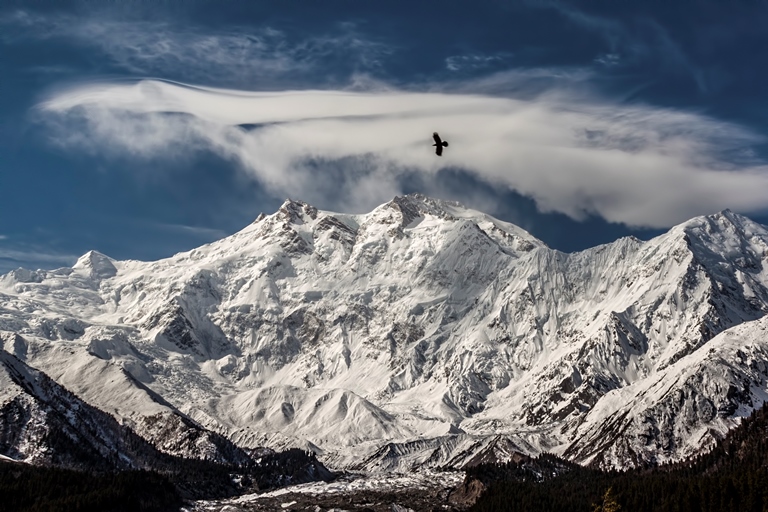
[142,130]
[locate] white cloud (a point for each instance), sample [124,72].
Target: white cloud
[634,164]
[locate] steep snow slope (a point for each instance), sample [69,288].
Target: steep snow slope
[41,422]
[678,410]
[422,333]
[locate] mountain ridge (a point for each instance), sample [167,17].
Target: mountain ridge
[421,320]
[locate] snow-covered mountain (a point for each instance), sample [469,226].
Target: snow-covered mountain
[422,333]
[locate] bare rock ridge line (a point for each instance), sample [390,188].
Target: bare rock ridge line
[421,334]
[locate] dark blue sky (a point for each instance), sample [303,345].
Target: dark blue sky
[671,83]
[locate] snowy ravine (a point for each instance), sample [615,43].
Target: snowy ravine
[422,334]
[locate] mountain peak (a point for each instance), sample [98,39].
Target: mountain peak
[419,204]
[427,202]
[96,264]
[722,222]
[295,211]
[734,218]
[727,215]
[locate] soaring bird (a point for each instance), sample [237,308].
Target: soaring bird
[439,144]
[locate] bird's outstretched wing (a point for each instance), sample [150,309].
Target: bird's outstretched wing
[437,139]
[439,149]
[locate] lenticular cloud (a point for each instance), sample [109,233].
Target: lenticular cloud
[634,164]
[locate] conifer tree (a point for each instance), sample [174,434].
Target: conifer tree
[609,503]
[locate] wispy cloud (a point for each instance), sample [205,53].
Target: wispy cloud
[643,40]
[474,62]
[525,83]
[237,55]
[30,257]
[634,164]
[194,231]
[608,59]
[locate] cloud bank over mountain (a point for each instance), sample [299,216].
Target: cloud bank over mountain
[579,155]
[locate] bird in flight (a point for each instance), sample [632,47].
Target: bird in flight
[439,144]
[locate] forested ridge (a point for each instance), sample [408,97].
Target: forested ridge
[732,476]
[25,487]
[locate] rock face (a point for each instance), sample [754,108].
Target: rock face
[420,334]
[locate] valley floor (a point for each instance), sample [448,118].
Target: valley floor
[421,491]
